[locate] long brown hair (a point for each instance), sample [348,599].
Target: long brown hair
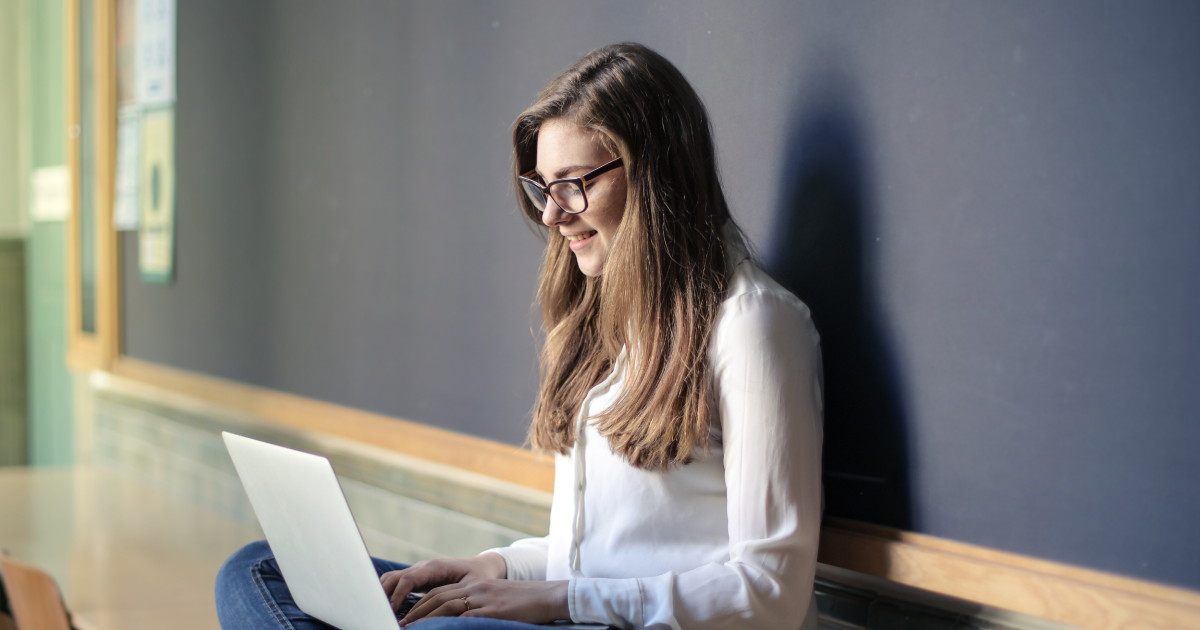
[666,272]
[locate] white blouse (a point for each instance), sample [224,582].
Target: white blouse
[727,541]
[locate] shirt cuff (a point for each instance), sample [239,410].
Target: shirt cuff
[614,602]
[527,563]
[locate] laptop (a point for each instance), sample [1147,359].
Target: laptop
[304,514]
[301,508]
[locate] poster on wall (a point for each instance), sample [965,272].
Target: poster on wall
[129,119]
[129,150]
[156,233]
[145,81]
[127,14]
[51,187]
[155,38]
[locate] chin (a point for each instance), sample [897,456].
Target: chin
[590,268]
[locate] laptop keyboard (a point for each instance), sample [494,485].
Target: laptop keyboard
[410,600]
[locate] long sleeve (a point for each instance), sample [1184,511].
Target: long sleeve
[766,363]
[525,558]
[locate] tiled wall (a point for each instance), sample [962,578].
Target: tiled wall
[404,515]
[844,607]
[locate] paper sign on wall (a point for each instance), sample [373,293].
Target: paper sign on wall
[145,80]
[156,232]
[127,52]
[129,168]
[155,36]
[51,194]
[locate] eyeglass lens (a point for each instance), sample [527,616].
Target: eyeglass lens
[568,195]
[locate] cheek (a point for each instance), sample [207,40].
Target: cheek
[610,219]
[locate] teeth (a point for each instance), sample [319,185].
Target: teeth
[580,237]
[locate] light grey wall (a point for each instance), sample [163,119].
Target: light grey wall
[991,207]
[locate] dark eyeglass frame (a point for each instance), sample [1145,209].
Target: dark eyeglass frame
[579,182]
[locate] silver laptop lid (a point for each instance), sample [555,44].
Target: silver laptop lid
[312,533]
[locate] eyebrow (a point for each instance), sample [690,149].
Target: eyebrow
[561,173]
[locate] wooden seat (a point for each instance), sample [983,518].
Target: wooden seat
[32,597]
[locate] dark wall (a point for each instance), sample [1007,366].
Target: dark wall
[993,209]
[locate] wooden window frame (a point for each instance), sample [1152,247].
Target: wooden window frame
[98,350]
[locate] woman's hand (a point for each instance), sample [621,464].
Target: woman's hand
[528,602]
[450,571]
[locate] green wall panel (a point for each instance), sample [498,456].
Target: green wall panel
[48,75]
[51,440]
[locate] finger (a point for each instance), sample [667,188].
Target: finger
[453,608]
[428,604]
[404,585]
[413,578]
[433,601]
[444,588]
[438,574]
[388,580]
[397,574]
[432,593]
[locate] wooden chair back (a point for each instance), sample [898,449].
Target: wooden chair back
[33,597]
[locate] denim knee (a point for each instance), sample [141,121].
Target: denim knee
[244,558]
[238,598]
[235,573]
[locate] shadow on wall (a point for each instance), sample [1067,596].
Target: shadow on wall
[822,252]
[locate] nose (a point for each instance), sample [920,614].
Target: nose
[553,214]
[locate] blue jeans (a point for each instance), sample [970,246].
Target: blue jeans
[251,595]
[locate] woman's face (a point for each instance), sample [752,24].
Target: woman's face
[565,149]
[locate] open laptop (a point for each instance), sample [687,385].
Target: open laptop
[312,533]
[303,512]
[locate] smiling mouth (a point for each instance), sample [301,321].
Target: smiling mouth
[575,238]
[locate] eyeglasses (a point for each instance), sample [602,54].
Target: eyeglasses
[570,194]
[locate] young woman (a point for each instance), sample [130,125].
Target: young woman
[680,390]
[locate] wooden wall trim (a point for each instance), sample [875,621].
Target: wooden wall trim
[1071,595]
[500,461]
[1066,594]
